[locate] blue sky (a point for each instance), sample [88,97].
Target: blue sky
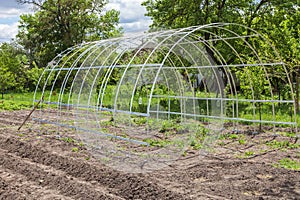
[9,16]
[132,17]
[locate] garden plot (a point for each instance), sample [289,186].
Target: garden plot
[42,163]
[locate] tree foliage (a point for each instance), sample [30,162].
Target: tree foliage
[59,24]
[278,20]
[183,13]
[15,73]
[12,76]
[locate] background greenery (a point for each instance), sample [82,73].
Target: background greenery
[59,24]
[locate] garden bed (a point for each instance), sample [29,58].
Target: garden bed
[39,163]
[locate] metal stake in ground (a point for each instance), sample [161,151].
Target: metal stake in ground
[34,108]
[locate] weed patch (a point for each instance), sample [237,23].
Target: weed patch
[282,144]
[288,163]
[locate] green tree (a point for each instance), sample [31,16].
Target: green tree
[263,15]
[7,79]
[281,26]
[183,13]
[59,24]
[277,20]
[12,70]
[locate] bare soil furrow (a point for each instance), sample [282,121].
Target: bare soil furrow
[8,192]
[65,185]
[128,186]
[233,179]
[17,186]
[9,122]
[14,116]
[44,162]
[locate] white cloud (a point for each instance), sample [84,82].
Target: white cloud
[136,26]
[8,31]
[10,12]
[9,9]
[132,17]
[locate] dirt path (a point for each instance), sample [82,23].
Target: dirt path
[40,165]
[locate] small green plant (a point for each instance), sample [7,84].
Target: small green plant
[288,134]
[68,140]
[157,143]
[21,135]
[249,154]
[81,144]
[242,141]
[140,120]
[288,163]
[75,149]
[107,123]
[233,136]
[201,132]
[166,126]
[195,144]
[181,129]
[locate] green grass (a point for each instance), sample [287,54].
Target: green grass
[282,144]
[26,96]
[18,101]
[15,105]
[288,163]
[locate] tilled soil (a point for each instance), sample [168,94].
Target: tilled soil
[41,165]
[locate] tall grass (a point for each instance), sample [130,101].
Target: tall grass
[16,101]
